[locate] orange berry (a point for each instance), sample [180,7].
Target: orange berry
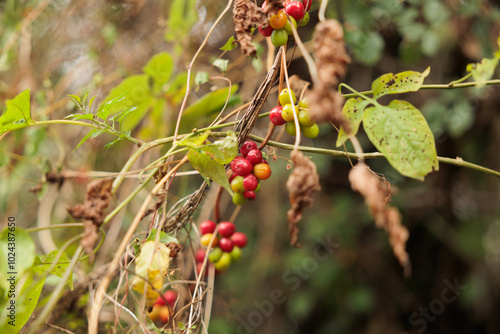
[262,171]
[278,20]
[205,240]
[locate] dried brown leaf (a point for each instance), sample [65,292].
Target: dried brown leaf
[272,6]
[377,195]
[91,211]
[247,15]
[301,185]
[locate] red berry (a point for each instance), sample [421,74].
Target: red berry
[230,175]
[207,226]
[275,116]
[199,255]
[254,156]
[307,4]
[241,167]
[250,182]
[247,147]
[171,297]
[249,194]
[226,244]
[199,265]
[226,229]
[266,32]
[295,10]
[239,239]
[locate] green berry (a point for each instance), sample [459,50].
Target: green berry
[287,112]
[237,185]
[239,199]
[284,97]
[279,37]
[288,26]
[305,118]
[290,128]
[235,253]
[215,255]
[305,19]
[311,131]
[304,103]
[224,262]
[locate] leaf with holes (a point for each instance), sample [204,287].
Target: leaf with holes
[390,83]
[353,113]
[209,167]
[483,71]
[401,132]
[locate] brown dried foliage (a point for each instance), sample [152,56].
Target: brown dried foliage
[377,197]
[331,62]
[272,7]
[92,210]
[247,15]
[301,184]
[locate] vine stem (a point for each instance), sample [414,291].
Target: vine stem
[450,85]
[56,295]
[190,67]
[113,266]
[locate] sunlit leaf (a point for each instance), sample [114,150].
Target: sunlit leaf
[390,83]
[17,113]
[208,167]
[164,237]
[353,113]
[221,64]
[230,45]
[160,68]
[194,141]
[222,151]
[401,132]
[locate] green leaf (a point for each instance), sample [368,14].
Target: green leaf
[483,71]
[24,249]
[17,113]
[104,108]
[160,68]
[208,167]
[353,113]
[221,64]
[390,83]
[77,117]
[201,78]
[181,18]
[194,141]
[210,102]
[223,151]
[401,132]
[29,287]
[230,45]
[164,237]
[92,134]
[59,269]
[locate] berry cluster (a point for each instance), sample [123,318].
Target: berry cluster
[279,26]
[247,171]
[162,307]
[283,114]
[226,247]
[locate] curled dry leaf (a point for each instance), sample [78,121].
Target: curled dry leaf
[377,196]
[247,15]
[331,61]
[301,184]
[92,210]
[272,6]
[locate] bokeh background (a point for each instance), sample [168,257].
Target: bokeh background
[345,278]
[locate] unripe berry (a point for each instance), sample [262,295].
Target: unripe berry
[279,37]
[240,239]
[236,254]
[215,255]
[275,116]
[254,156]
[287,112]
[284,97]
[305,118]
[239,199]
[226,244]
[224,262]
[207,226]
[205,239]
[241,166]
[237,184]
[311,131]
[262,171]
[226,229]
[247,147]
[290,128]
[250,182]
[278,20]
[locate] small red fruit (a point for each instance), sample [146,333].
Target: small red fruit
[247,147]
[241,167]
[275,116]
[226,229]
[262,171]
[266,32]
[254,156]
[249,194]
[199,265]
[295,10]
[207,226]
[164,315]
[226,244]
[199,255]
[240,239]
[250,182]
[307,4]
[171,297]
